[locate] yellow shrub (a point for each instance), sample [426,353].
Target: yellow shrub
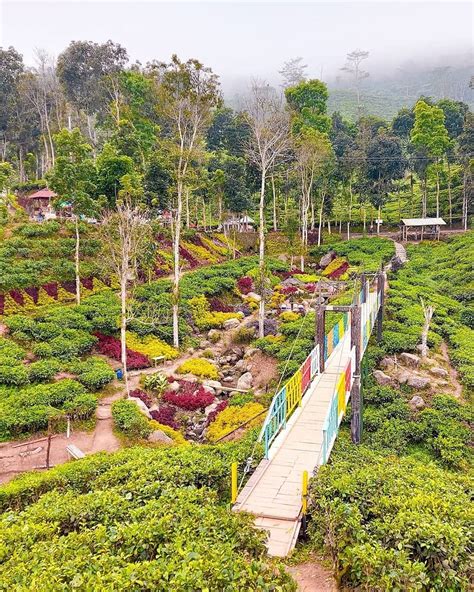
[289,316]
[277,299]
[199,367]
[11,306]
[44,299]
[176,436]
[204,318]
[151,346]
[64,295]
[232,417]
[335,264]
[200,252]
[219,249]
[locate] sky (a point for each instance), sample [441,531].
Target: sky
[241,40]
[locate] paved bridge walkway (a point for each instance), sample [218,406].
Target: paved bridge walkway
[274,491]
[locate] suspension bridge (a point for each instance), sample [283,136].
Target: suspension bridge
[303,420]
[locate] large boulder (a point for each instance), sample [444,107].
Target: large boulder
[231,324]
[383,379]
[215,384]
[410,359]
[326,259]
[254,296]
[157,436]
[439,372]
[387,363]
[416,403]
[418,382]
[245,381]
[141,405]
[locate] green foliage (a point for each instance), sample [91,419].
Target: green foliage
[390,523]
[142,518]
[129,420]
[156,382]
[93,373]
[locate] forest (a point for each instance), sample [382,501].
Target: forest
[169,316]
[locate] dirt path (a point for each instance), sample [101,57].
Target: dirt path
[453,373]
[17,457]
[311,576]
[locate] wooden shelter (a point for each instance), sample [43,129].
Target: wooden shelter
[421,226]
[39,203]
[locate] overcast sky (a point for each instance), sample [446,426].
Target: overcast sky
[242,39]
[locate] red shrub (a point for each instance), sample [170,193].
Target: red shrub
[218,306]
[143,396]
[165,415]
[2,303]
[88,283]
[33,292]
[185,254]
[245,284]
[339,271]
[310,287]
[213,414]
[189,401]
[69,286]
[110,346]
[288,290]
[17,296]
[51,289]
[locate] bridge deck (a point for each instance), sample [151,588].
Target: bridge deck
[273,493]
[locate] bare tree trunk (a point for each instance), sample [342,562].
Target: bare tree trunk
[176,239]
[428,315]
[320,227]
[312,215]
[275,222]
[261,258]
[465,201]
[437,190]
[221,220]
[350,211]
[204,221]
[450,197]
[76,261]
[123,330]
[188,215]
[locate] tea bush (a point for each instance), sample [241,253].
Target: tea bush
[94,373]
[129,420]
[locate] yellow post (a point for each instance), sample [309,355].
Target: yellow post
[304,492]
[233,489]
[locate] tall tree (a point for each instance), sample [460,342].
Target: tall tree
[268,143]
[73,178]
[466,152]
[353,67]
[313,151]
[293,72]
[11,68]
[189,92]
[308,102]
[430,133]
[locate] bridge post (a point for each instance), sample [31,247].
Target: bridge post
[319,334]
[381,295]
[356,403]
[363,281]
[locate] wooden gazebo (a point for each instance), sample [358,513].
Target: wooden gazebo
[423,226]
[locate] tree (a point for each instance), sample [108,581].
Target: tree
[268,143]
[125,236]
[188,94]
[430,133]
[11,68]
[228,132]
[308,102]
[466,152]
[293,72]
[111,167]
[313,151]
[354,68]
[73,178]
[82,70]
[402,123]
[384,163]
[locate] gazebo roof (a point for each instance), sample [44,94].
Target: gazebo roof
[42,194]
[423,222]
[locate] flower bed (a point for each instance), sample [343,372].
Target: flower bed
[151,346]
[143,396]
[165,415]
[110,346]
[199,367]
[232,417]
[199,399]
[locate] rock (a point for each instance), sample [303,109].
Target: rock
[141,405]
[254,296]
[215,384]
[241,366]
[210,408]
[439,372]
[228,379]
[250,352]
[292,282]
[159,436]
[383,379]
[403,377]
[416,403]
[387,363]
[418,382]
[174,386]
[214,335]
[245,381]
[326,259]
[395,263]
[191,350]
[231,324]
[209,389]
[410,359]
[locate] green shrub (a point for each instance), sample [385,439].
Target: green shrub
[43,370]
[17,375]
[156,382]
[129,420]
[93,373]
